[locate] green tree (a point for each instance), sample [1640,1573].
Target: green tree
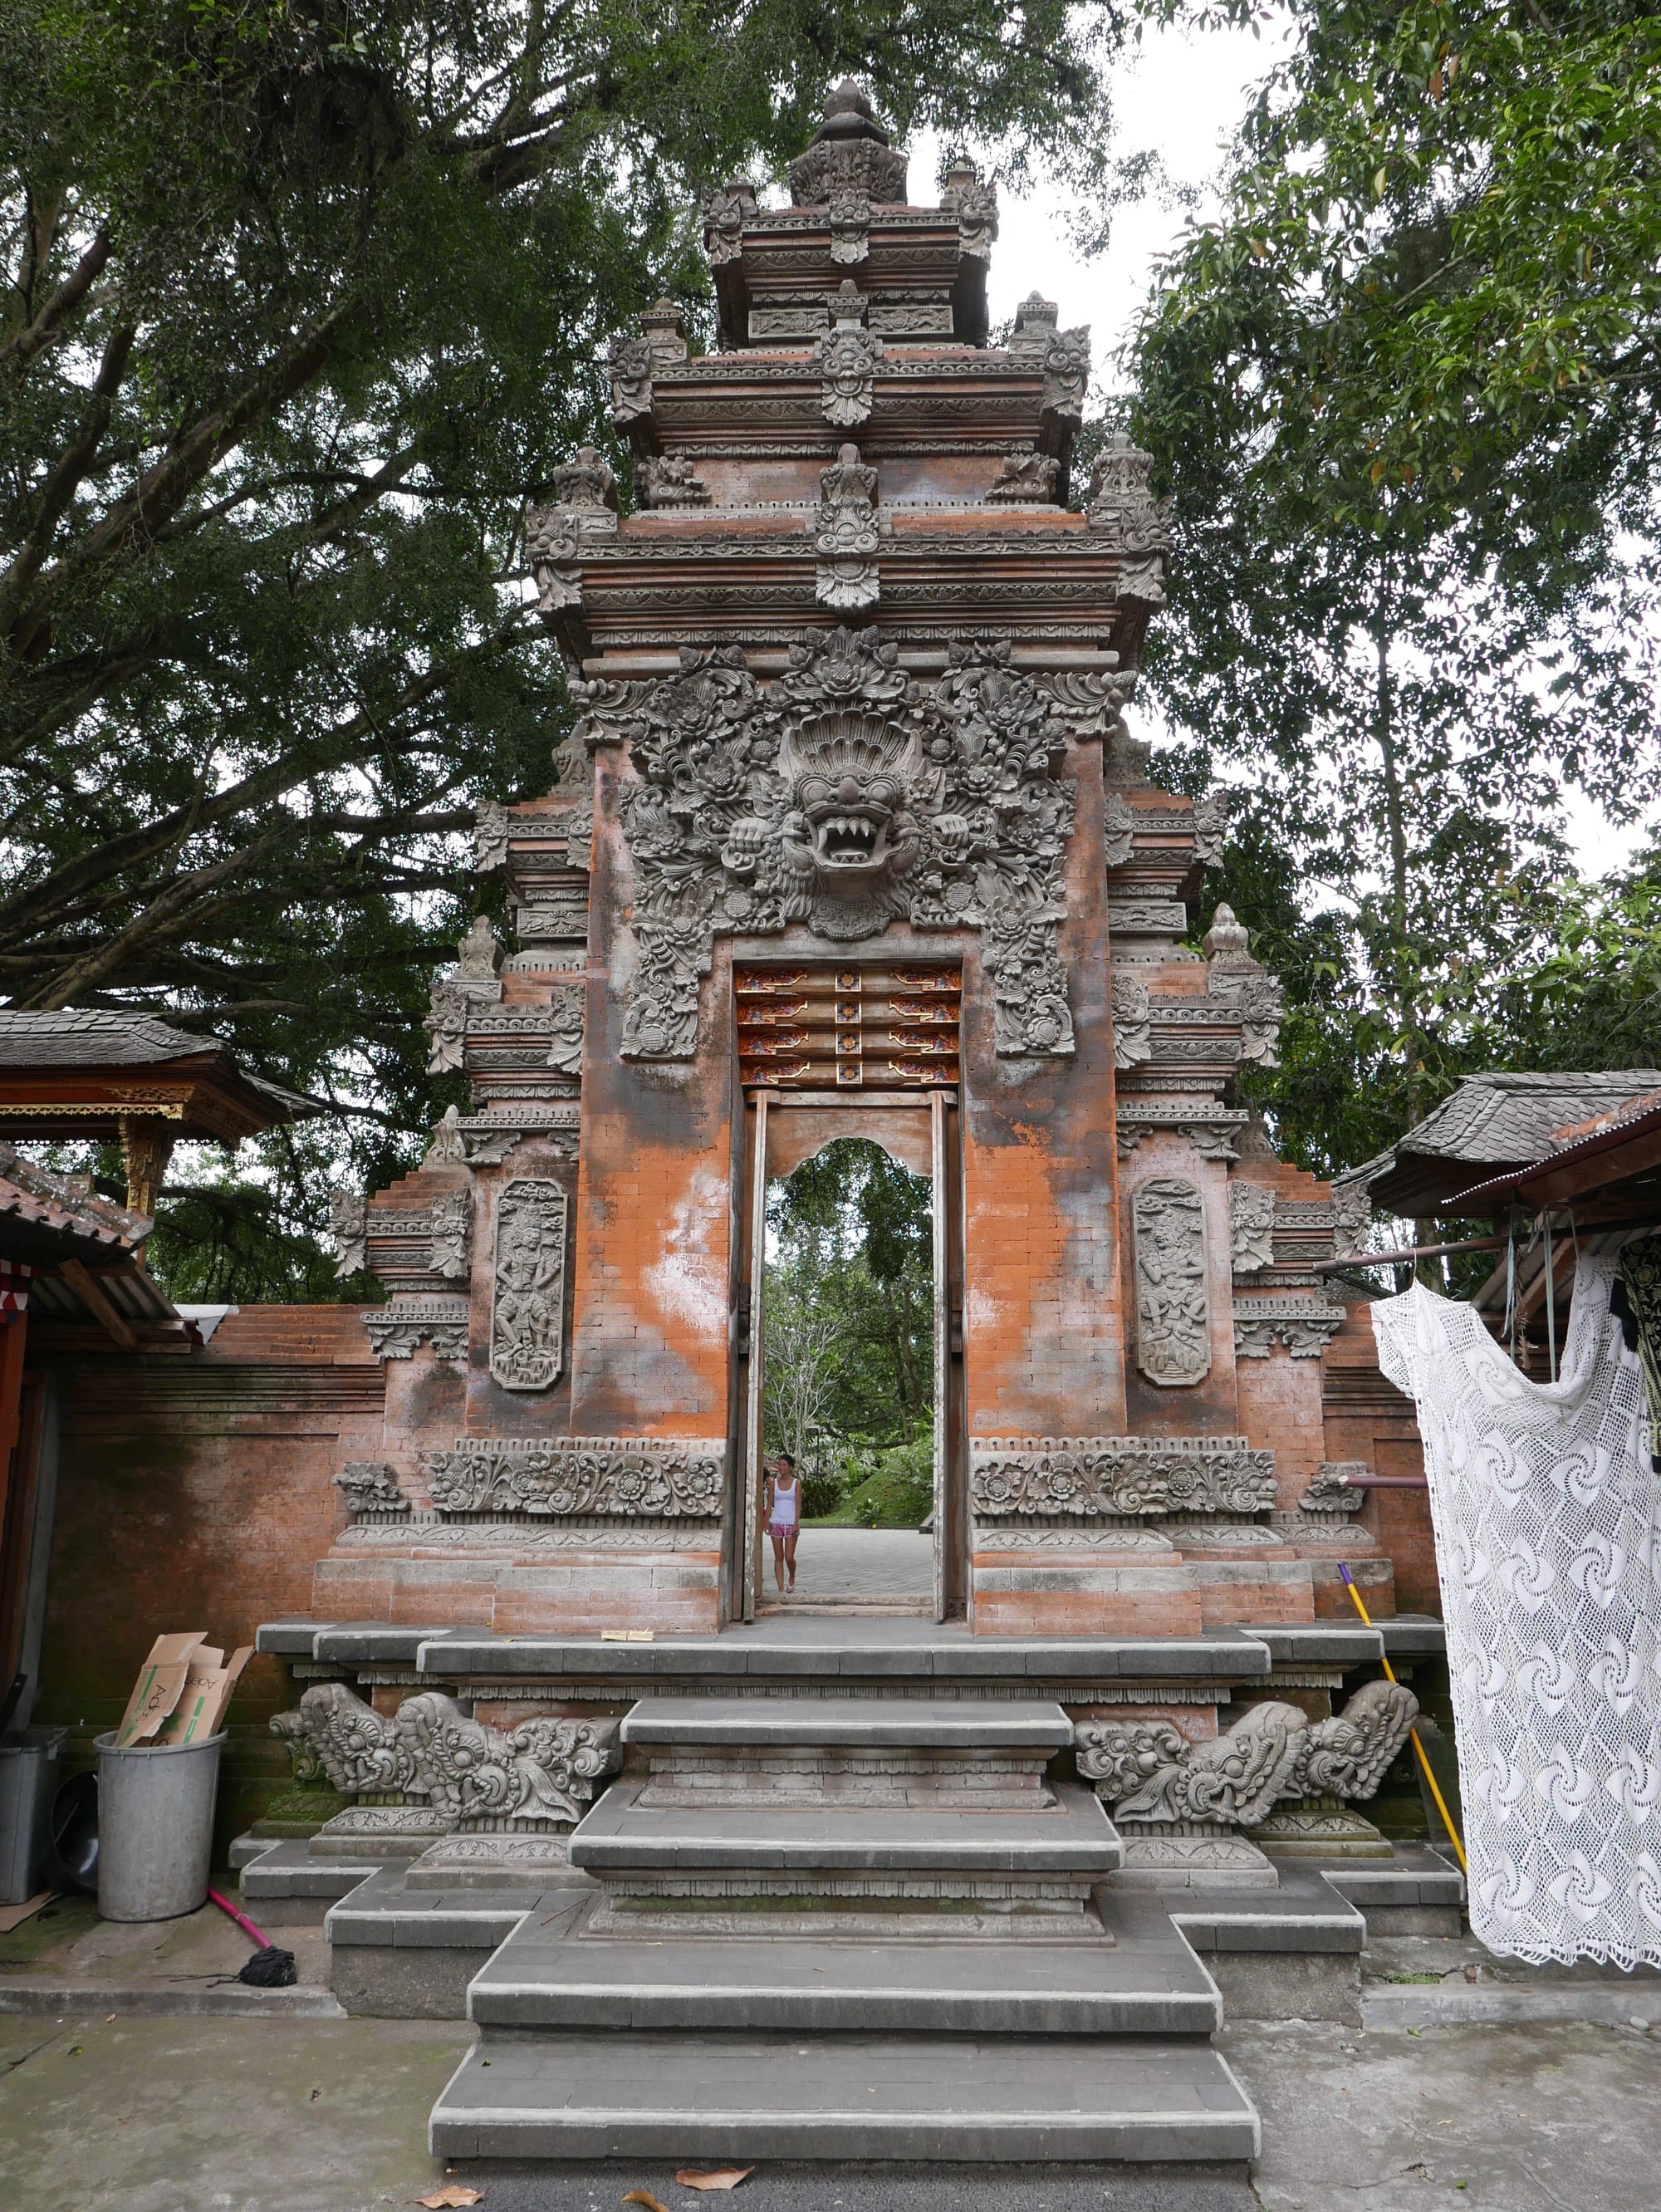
[1411,438]
[298,309]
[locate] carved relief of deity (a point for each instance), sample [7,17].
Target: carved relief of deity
[527,1306]
[1174,1331]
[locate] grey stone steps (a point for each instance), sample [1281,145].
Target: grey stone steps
[289,1870]
[871,1723]
[742,2098]
[1073,1835]
[548,1974]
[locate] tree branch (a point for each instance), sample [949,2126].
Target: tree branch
[22,349]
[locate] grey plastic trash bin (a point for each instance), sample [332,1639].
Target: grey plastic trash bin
[30,1763]
[155,1827]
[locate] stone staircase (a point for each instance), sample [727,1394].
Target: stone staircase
[846,1927]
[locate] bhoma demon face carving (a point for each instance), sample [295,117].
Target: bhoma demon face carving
[846,796]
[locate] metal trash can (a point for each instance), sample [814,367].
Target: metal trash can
[155,1827]
[29,1770]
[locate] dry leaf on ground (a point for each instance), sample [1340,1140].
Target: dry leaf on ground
[644,2197]
[453,2192]
[724,2177]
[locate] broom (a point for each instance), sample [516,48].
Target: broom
[271,1967]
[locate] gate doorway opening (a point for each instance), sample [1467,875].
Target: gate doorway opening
[848,1304]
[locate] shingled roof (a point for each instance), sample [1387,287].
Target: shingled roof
[87,1041]
[1495,1123]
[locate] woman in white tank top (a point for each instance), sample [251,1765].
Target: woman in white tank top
[784,1512]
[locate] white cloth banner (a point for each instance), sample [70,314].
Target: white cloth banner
[1545,1507]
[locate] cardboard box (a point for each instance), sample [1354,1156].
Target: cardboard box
[159,1686]
[207,1692]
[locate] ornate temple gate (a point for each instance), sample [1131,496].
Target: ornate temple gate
[826,1051]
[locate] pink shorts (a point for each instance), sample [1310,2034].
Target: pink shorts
[780,1528]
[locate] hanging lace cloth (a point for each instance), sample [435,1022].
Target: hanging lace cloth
[1545,1505]
[1637,1299]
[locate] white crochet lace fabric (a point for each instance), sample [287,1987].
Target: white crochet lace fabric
[1545,1507]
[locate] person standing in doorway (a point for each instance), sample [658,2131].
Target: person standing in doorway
[784,1509]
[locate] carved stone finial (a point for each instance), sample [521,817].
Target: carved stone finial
[349,1227]
[1030,478]
[664,329]
[632,362]
[1067,373]
[847,358]
[480,952]
[448,1148]
[847,304]
[585,482]
[490,828]
[1226,936]
[849,152]
[1121,509]
[1034,321]
[975,205]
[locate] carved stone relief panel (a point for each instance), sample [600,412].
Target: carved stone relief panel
[1173,1312]
[845,540]
[527,1297]
[612,1475]
[843,798]
[1087,1477]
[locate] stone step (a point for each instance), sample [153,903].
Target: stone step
[552,1974]
[744,2098]
[1071,1836]
[864,1723]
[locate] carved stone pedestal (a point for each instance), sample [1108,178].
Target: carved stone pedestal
[1190,1855]
[378,1830]
[506,1858]
[1320,1827]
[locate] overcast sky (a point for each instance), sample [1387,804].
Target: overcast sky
[1181,95]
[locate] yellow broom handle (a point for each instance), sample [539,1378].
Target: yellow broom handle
[1441,1802]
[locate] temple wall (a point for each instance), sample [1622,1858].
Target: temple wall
[1368,1418]
[198,1491]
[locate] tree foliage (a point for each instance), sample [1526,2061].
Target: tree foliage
[848,1310]
[299,307]
[1404,390]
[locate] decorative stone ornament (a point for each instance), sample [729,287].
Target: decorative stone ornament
[847,358]
[658,1480]
[1251,1226]
[1132,1041]
[847,796]
[1034,324]
[632,363]
[1331,1490]
[396,1329]
[1067,373]
[527,1302]
[725,210]
[349,1230]
[1090,1477]
[848,154]
[1148,1770]
[1123,513]
[1026,479]
[369,1487]
[846,538]
[669,480]
[850,215]
[975,205]
[1174,1331]
[1305,1326]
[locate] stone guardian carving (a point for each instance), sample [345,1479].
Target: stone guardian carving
[846,540]
[1173,1330]
[527,1298]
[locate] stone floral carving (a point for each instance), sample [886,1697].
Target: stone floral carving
[1332,1489]
[1209,823]
[1025,478]
[1305,1326]
[850,228]
[491,826]
[1119,830]
[1260,1004]
[349,1216]
[725,210]
[601,1475]
[1147,1772]
[845,541]
[1090,1476]
[1212,1130]
[1251,1226]
[669,480]
[847,796]
[1132,1040]
[1092,706]
[1352,1219]
[846,359]
[543,1771]
[975,205]
[565,1028]
[395,1330]
[527,1299]
[1067,373]
[369,1487]
[1173,1329]
[1123,512]
[446,1024]
[451,1216]
[632,362]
